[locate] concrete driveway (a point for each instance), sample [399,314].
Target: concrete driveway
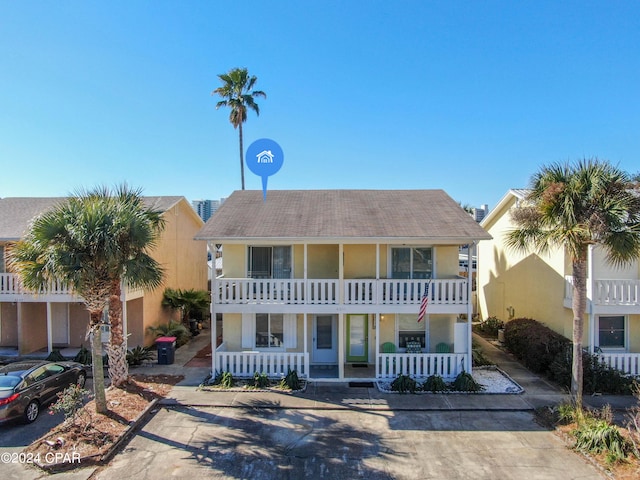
[274,443]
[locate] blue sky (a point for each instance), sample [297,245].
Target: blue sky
[470,97]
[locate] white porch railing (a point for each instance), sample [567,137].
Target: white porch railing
[447,365]
[627,363]
[10,284]
[326,292]
[403,292]
[276,364]
[608,291]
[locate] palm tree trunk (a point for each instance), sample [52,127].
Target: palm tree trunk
[241,155]
[578,306]
[118,367]
[97,367]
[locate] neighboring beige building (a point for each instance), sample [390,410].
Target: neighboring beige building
[514,284]
[324,281]
[58,319]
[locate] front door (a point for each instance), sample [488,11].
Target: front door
[325,339]
[60,324]
[357,338]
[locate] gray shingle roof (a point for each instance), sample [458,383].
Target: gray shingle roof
[367,215]
[16,213]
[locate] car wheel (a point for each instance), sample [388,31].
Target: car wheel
[82,379]
[32,411]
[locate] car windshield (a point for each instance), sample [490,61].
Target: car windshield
[9,381]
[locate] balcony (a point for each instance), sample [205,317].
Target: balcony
[607,292]
[328,291]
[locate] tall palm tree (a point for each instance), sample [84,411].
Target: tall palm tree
[238,94]
[573,206]
[134,232]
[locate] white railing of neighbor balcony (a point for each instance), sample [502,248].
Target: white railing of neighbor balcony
[325,292]
[627,363]
[274,364]
[10,284]
[609,291]
[421,365]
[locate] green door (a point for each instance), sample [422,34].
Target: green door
[357,338]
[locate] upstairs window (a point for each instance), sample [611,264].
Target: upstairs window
[412,262]
[269,262]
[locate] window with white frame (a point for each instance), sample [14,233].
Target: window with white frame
[269,330]
[611,331]
[409,330]
[269,262]
[411,262]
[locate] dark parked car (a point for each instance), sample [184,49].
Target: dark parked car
[28,386]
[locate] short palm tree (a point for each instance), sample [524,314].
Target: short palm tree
[574,206]
[238,94]
[92,243]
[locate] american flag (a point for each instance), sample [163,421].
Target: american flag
[423,303]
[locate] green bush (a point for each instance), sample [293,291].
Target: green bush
[260,380]
[597,376]
[55,356]
[595,435]
[533,343]
[83,356]
[291,381]
[490,326]
[404,384]
[435,383]
[139,354]
[172,329]
[464,382]
[224,379]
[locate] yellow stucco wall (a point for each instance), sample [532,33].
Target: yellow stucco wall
[184,260]
[78,323]
[323,261]
[447,261]
[234,264]
[524,283]
[359,261]
[32,321]
[232,328]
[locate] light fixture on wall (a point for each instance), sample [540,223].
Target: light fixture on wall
[511,311]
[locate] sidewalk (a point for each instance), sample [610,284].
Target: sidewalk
[538,392]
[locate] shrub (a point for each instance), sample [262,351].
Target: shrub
[70,401]
[224,379]
[404,384]
[464,382]
[597,376]
[55,356]
[595,435]
[172,329]
[533,343]
[435,383]
[291,381]
[260,380]
[139,354]
[490,326]
[83,356]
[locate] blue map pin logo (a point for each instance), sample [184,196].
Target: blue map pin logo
[264,158]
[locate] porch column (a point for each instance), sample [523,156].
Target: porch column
[125,326]
[377,289]
[305,342]
[214,323]
[49,329]
[470,249]
[377,340]
[592,317]
[341,345]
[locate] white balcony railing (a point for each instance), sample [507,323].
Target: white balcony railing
[274,364]
[326,292]
[421,365]
[10,284]
[627,363]
[608,291]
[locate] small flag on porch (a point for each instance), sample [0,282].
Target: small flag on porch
[423,303]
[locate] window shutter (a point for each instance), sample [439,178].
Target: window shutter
[289,327]
[248,330]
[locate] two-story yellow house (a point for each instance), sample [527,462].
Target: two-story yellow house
[514,284]
[330,282]
[39,322]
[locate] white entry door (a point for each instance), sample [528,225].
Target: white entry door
[325,339]
[60,324]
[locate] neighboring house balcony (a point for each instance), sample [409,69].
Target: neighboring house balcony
[359,295]
[613,307]
[12,290]
[608,295]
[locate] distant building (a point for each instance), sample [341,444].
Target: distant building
[206,208]
[479,213]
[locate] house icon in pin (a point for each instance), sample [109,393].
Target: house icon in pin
[265,156]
